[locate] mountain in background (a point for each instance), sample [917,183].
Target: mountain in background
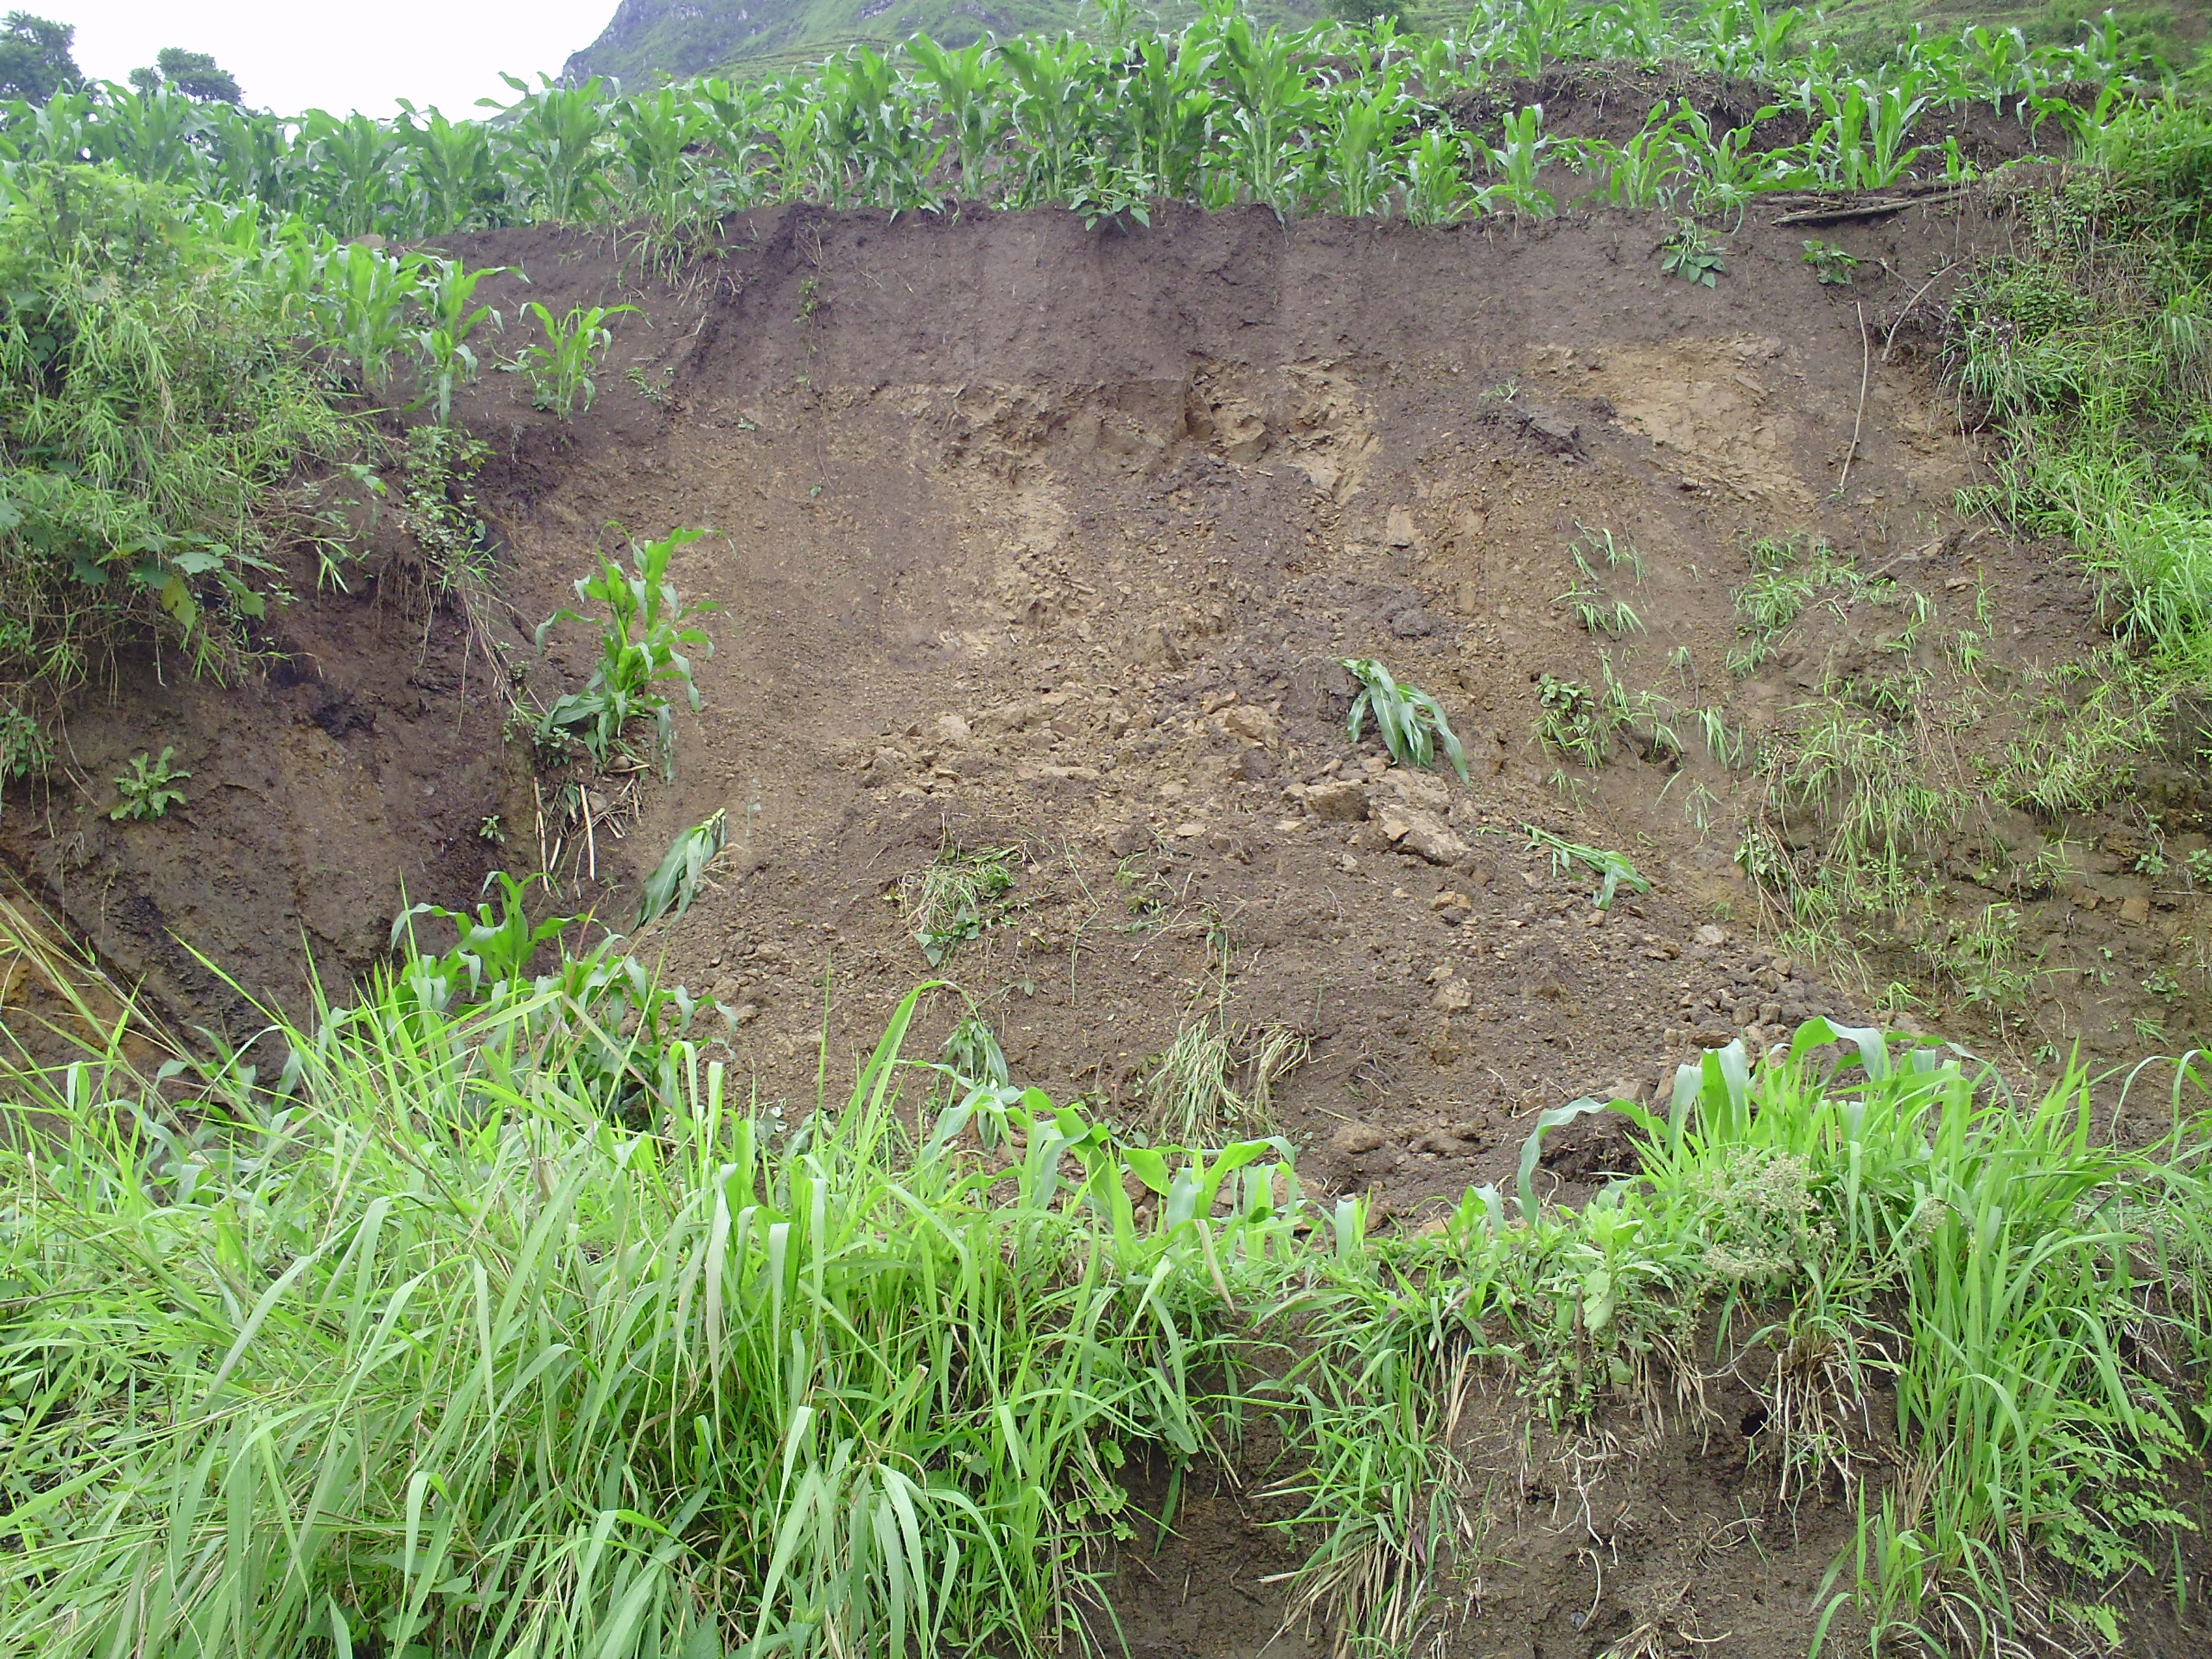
[651,41]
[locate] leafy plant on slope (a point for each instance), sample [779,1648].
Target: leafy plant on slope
[1410,722]
[643,638]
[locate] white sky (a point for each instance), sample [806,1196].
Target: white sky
[339,55]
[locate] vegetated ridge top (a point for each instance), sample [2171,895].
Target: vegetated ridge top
[648,39]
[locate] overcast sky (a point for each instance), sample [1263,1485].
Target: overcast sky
[339,55]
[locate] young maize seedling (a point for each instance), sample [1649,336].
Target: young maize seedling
[1613,870]
[1410,722]
[670,888]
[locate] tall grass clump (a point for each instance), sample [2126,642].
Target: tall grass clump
[426,1337]
[1821,1226]
[2092,347]
[415,1348]
[152,396]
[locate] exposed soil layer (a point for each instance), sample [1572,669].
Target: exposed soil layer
[1035,537]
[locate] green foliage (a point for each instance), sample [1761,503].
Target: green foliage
[1569,721]
[953,898]
[1980,959]
[1233,107]
[1410,722]
[1833,266]
[1190,1091]
[36,61]
[151,398]
[599,1021]
[682,872]
[451,316]
[870,1383]
[1364,11]
[24,748]
[191,75]
[1690,254]
[1787,576]
[560,371]
[1613,870]
[1598,611]
[2091,347]
[148,789]
[441,512]
[643,640]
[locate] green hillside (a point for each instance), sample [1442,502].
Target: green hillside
[650,40]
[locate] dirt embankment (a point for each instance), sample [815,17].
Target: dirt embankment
[1039,538]
[1034,536]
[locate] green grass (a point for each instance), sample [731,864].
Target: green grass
[953,898]
[152,401]
[2093,348]
[422,1336]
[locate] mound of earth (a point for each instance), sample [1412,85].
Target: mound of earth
[1037,546]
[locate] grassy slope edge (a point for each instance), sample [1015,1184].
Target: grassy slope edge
[455,1337]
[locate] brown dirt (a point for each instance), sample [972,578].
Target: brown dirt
[1034,536]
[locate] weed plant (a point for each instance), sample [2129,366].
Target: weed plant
[2092,348]
[148,789]
[955,896]
[442,1333]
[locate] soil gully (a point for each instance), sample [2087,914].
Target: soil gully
[1043,538]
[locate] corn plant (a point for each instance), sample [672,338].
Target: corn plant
[555,149]
[492,951]
[643,637]
[1270,100]
[560,370]
[1363,161]
[681,872]
[1514,161]
[452,174]
[1436,177]
[964,82]
[365,297]
[1640,173]
[1861,145]
[1410,722]
[1613,870]
[452,316]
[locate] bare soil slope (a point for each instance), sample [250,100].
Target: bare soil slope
[1044,539]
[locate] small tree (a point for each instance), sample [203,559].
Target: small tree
[193,74]
[35,62]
